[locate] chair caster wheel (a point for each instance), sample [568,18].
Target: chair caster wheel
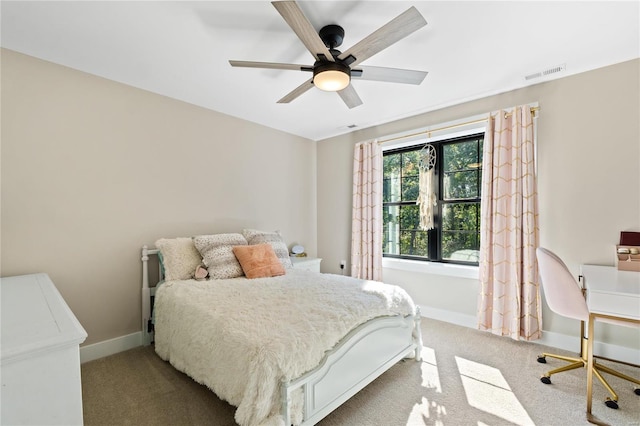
[542,359]
[546,380]
[636,391]
[611,404]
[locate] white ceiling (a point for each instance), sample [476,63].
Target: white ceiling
[181,50]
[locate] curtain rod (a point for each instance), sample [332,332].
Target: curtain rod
[453,126]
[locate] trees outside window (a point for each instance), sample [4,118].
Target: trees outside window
[458,177]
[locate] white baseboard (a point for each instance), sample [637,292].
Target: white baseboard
[549,338]
[110,347]
[456,318]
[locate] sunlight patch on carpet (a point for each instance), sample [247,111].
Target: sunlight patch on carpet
[487,390]
[429,367]
[426,412]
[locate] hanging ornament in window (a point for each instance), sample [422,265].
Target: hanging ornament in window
[427,196]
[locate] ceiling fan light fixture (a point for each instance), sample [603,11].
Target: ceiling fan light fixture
[331,76]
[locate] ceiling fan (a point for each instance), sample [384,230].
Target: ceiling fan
[333,70]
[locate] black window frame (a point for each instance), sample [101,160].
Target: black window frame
[435,235]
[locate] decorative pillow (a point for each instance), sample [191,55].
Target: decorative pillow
[217,254]
[201,273]
[179,257]
[274,238]
[258,261]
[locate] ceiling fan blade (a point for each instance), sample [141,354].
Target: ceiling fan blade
[396,29]
[297,92]
[391,75]
[350,96]
[270,65]
[299,23]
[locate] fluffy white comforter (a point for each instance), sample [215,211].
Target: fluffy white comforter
[241,337]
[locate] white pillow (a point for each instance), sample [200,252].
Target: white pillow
[179,257]
[274,238]
[217,254]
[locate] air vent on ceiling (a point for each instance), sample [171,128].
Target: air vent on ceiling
[548,71]
[352,126]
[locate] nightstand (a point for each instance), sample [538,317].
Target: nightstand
[307,263]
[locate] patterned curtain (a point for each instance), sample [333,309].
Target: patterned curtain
[366,224]
[509,301]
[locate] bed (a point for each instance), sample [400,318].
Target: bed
[284,349]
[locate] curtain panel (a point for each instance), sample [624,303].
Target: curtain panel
[509,303]
[366,223]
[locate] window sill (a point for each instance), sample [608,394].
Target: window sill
[448,269]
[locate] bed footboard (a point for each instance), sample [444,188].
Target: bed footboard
[353,364]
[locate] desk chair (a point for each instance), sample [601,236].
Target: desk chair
[565,297]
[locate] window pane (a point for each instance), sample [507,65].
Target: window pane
[460,231]
[410,188]
[413,241]
[462,166]
[391,230]
[391,178]
[461,185]
[401,234]
[410,164]
[410,174]
[460,155]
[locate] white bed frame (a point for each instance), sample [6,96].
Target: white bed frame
[361,356]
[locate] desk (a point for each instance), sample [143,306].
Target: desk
[612,292]
[612,296]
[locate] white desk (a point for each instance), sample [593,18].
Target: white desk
[612,292]
[611,295]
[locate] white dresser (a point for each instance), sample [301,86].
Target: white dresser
[306,263]
[40,355]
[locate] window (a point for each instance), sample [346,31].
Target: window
[458,177]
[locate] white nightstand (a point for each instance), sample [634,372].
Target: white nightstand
[306,263]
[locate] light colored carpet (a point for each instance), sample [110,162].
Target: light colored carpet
[467,377]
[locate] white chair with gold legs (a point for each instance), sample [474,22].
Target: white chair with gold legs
[565,297]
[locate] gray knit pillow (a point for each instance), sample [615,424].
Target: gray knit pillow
[217,254]
[274,238]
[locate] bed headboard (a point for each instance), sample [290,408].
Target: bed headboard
[147,294]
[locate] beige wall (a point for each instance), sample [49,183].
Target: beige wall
[589,180]
[93,169]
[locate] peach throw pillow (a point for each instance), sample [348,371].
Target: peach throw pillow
[258,261]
